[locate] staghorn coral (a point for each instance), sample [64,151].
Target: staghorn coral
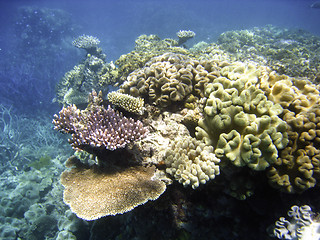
[241,124]
[185,35]
[126,102]
[170,78]
[93,192]
[97,127]
[191,162]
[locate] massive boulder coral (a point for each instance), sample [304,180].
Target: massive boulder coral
[97,127]
[242,124]
[170,78]
[191,162]
[93,192]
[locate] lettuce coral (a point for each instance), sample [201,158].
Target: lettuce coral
[170,78]
[191,162]
[242,124]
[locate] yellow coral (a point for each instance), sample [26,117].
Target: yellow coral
[242,124]
[127,102]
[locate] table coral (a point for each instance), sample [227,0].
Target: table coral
[241,124]
[191,162]
[93,192]
[97,127]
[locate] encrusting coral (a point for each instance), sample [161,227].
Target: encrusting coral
[92,192]
[191,162]
[241,124]
[126,102]
[97,127]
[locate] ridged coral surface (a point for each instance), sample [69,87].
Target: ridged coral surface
[242,124]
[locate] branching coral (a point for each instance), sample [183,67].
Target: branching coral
[241,124]
[191,162]
[97,127]
[93,192]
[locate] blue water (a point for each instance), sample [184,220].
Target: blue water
[36,52]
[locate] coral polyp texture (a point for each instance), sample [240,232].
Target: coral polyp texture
[303,224]
[86,42]
[242,124]
[92,192]
[191,162]
[97,127]
[126,102]
[170,79]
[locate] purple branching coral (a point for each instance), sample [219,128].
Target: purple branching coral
[97,127]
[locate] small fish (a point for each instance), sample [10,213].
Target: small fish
[315,5]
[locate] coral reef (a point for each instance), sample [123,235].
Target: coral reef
[302,225]
[241,124]
[191,162]
[185,35]
[97,127]
[92,73]
[291,52]
[93,192]
[146,47]
[126,102]
[170,78]
[86,42]
[297,168]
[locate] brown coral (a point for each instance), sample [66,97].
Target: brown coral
[298,167]
[93,192]
[170,78]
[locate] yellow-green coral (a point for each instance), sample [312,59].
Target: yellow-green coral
[191,162]
[127,102]
[170,78]
[241,124]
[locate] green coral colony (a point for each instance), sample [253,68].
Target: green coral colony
[236,116]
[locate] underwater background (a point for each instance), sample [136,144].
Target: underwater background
[159,119]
